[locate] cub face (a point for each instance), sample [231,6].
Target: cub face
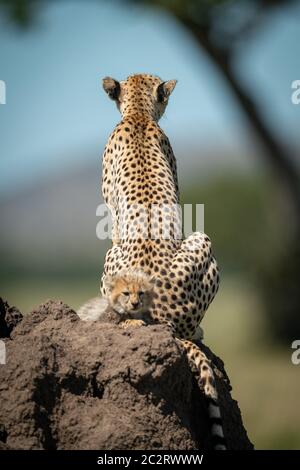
[130,293]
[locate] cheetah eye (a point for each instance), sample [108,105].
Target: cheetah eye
[125,293]
[141,293]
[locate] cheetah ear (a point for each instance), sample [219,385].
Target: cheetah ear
[164,90]
[108,283]
[111,87]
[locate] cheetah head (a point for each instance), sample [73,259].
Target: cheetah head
[140,94]
[130,292]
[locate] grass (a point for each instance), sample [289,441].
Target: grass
[265,382]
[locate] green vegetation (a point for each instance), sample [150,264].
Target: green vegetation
[241,219]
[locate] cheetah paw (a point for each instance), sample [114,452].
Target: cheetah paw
[132,323]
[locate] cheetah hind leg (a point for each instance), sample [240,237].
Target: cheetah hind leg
[202,366]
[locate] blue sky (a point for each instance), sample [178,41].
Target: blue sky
[57,114]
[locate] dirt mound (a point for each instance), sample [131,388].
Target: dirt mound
[70,384]
[9,318]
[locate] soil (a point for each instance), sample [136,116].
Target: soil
[71,384]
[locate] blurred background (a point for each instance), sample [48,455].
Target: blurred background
[234,131]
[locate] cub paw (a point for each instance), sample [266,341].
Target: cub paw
[132,323]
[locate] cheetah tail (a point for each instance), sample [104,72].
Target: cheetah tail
[202,366]
[216,425]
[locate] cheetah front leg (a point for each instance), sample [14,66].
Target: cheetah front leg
[115,234]
[113,264]
[115,238]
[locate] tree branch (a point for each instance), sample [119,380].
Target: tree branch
[285,169]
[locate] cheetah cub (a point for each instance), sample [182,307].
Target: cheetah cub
[129,296]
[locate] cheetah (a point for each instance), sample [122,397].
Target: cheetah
[139,174]
[128,301]
[140,188]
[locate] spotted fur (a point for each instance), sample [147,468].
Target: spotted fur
[139,173]
[128,300]
[139,170]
